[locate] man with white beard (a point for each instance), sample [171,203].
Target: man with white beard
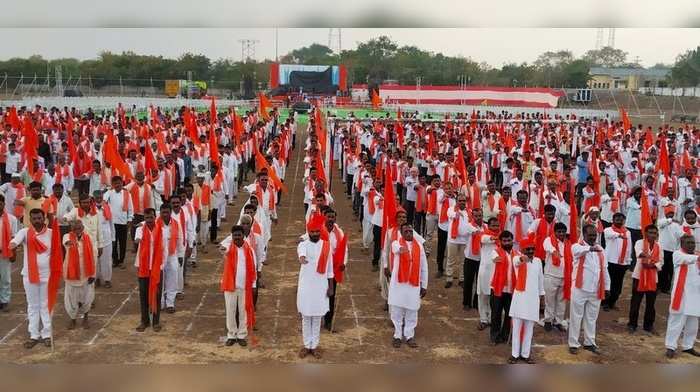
[315,285]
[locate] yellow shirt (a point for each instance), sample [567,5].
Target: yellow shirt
[30,204]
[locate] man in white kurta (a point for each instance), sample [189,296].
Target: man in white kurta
[36,287]
[79,290]
[186,223]
[314,287]
[525,306]
[555,248]
[405,288]
[684,310]
[170,261]
[489,242]
[234,286]
[590,284]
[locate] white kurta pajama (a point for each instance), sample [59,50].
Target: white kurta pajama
[170,267]
[585,303]
[312,290]
[235,300]
[78,294]
[404,298]
[684,320]
[525,306]
[37,293]
[554,304]
[484,276]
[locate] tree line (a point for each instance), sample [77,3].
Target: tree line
[373,61]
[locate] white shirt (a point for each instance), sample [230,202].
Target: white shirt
[613,247]
[464,229]
[405,295]
[549,268]
[670,233]
[526,304]
[634,214]
[690,303]
[42,259]
[138,237]
[591,268]
[312,299]
[241,265]
[638,249]
[11,162]
[115,200]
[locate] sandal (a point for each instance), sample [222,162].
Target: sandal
[31,343]
[47,342]
[512,360]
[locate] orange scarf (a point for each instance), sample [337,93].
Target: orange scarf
[140,203]
[521,277]
[34,246]
[218,181]
[454,227]
[228,279]
[409,264]
[73,268]
[680,287]
[544,230]
[601,277]
[623,251]
[568,263]
[145,252]
[648,276]
[158,257]
[50,205]
[502,269]
[19,195]
[519,224]
[420,198]
[339,255]
[476,238]
[6,237]
[323,257]
[371,207]
[444,206]
[271,200]
[432,202]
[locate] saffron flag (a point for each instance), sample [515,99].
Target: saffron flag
[376,100]
[111,155]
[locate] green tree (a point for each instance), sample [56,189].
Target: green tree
[606,57]
[686,71]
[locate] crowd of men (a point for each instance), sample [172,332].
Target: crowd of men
[528,206]
[535,218]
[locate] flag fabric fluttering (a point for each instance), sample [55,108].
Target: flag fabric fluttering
[31,143]
[111,155]
[264,106]
[390,207]
[376,100]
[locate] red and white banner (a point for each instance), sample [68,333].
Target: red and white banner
[469,95]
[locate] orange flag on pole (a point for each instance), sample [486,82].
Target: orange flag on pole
[261,163]
[111,155]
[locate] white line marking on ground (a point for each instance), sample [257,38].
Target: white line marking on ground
[109,320]
[12,331]
[357,320]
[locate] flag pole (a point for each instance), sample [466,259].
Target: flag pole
[335,307]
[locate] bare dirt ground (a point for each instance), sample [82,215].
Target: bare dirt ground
[194,334]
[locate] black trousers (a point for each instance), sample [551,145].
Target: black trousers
[497,177]
[143,298]
[617,277]
[119,245]
[441,245]
[636,236]
[348,184]
[666,273]
[419,223]
[471,268]
[328,318]
[377,239]
[636,302]
[214,227]
[138,218]
[410,207]
[500,319]
[602,237]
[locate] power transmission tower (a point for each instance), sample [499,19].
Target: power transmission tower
[611,37]
[335,40]
[248,49]
[599,39]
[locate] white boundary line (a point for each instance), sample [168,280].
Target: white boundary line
[109,320]
[12,332]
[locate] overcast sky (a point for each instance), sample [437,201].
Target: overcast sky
[493,45]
